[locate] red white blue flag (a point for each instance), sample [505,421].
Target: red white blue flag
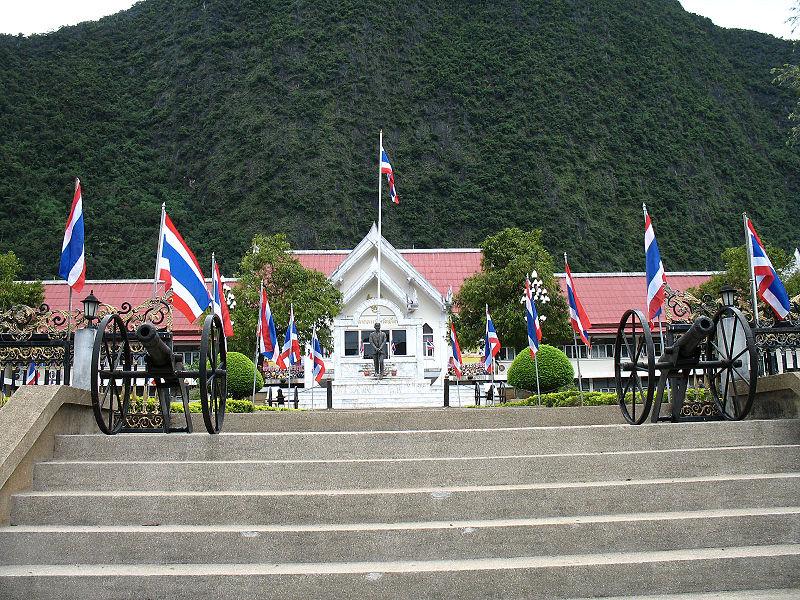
[491,343]
[455,360]
[179,270]
[769,286]
[267,335]
[73,256]
[291,345]
[577,316]
[386,169]
[218,301]
[32,375]
[656,282]
[317,360]
[532,320]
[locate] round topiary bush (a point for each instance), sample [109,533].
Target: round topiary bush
[240,376]
[555,370]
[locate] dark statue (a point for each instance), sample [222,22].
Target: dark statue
[377,340]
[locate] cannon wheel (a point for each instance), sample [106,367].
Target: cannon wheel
[633,335]
[735,349]
[213,374]
[111,391]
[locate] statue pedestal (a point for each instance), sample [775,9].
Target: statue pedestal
[82,359]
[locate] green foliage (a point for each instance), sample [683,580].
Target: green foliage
[16,292]
[573,398]
[231,406]
[507,258]
[240,375]
[737,274]
[316,302]
[555,370]
[248,117]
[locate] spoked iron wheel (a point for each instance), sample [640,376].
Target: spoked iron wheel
[732,383]
[213,374]
[110,388]
[634,359]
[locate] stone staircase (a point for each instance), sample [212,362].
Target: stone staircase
[414,504]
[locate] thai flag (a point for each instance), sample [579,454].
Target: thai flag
[218,301]
[267,336]
[316,357]
[455,360]
[178,269]
[768,285]
[577,316]
[532,320]
[655,270]
[291,344]
[492,343]
[32,375]
[73,263]
[386,168]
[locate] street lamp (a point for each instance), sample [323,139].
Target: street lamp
[90,306]
[728,295]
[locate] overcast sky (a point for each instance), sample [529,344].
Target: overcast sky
[41,16]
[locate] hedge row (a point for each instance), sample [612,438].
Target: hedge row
[231,406]
[573,398]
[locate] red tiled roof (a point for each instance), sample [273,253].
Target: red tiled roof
[324,262]
[606,296]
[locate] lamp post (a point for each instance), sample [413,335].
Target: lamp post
[90,306]
[728,295]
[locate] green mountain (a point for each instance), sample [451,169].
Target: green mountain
[252,116]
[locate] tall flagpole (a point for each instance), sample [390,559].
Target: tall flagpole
[258,339]
[313,337]
[380,208]
[291,343]
[748,241]
[160,247]
[575,345]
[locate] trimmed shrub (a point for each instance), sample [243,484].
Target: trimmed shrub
[555,370]
[240,376]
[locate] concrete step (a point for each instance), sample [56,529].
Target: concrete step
[421,442]
[686,570]
[202,475]
[415,419]
[472,538]
[397,505]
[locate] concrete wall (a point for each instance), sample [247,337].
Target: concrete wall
[29,422]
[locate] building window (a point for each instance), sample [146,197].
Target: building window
[398,342]
[507,353]
[428,347]
[366,347]
[351,345]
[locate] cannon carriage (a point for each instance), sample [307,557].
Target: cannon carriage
[718,352]
[114,376]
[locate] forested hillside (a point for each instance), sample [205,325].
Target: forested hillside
[263,116]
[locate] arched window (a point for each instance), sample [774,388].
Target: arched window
[428,347]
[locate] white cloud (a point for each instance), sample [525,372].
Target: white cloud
[42,16]
[766,16]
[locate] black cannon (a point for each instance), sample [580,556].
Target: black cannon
[114,377]
[719,350]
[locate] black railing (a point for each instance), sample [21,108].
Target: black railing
[50,359]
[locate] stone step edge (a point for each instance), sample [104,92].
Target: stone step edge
[415,525]
[423,566]
[157,461]
[776,594]
[445,491]
[782,424]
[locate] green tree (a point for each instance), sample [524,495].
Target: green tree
[240,376]
[555,370]
[507,258]
[789,75]
[737,273]
[14,292]
[316,302]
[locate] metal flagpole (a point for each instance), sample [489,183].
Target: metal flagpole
[291,343]
[578,359]
[538,390]
[380,208]
[160,247]
[749,247]
[258,339]
[313,337]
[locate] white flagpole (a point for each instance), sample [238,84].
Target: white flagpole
[380,208]
[575,346]
[213,272]
[160,247]
[749,248]
[289,396]
[313,337]
[258,338]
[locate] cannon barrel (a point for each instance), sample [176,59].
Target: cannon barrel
[689,341]
[159,353]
